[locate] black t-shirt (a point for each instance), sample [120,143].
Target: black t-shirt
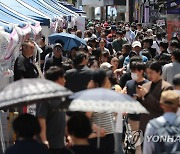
[52,61]
[24,68]
[131,90]
[27,147]
[124,78]
[46,50]
[85,149]
[55,122]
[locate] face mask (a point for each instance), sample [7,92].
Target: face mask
[73,33]
[134,76]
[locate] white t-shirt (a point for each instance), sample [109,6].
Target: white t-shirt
[156,45]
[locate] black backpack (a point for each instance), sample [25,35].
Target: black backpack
[168,141]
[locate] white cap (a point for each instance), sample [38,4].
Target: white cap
[136,44]
[150,30]
[105,65]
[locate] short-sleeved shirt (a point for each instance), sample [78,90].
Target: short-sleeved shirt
[24,68]
[117,44]
[55,123]
[131,90]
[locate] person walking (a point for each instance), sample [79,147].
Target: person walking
[56,59]
[164,127]
[52,121]
[78,78]
[26,128]
[171,69]
[150,93]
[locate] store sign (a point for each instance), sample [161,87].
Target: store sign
[172,7]
[160,22]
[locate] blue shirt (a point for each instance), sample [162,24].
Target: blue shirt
[148,146]
[127,60]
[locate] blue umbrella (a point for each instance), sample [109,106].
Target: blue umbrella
[69,40]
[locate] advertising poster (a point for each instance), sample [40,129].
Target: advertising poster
[173,28]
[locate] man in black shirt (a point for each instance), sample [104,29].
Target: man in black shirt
[78,78]
[24,67]
[56,59]
[46,50]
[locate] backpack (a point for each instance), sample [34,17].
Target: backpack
[169,141]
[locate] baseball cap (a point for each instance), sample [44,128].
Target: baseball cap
[105,66]
[113,27]
[57,45]
[105,24]
[150,30]
[136,44]
[170,97]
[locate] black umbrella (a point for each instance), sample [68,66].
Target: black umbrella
[30,91]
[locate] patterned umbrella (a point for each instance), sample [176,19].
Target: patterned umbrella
[104,100]
[30,91]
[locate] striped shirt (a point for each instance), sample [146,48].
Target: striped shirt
[104,120]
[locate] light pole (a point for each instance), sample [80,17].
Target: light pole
[127,11]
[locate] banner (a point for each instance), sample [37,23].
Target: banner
[173,28]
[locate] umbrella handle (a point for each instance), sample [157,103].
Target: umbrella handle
[98,137]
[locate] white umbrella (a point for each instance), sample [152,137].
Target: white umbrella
[104,100]
[30,91]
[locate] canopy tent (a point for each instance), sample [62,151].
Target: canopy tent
[72,18]
[56,16]
[71,7]
[59,7]
[27,11]
[22,28]
[9,40]
[13,17]
[41,8]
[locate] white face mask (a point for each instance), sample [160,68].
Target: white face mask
[73,33]
[134,76]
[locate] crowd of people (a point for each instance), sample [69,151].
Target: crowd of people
[128,58]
